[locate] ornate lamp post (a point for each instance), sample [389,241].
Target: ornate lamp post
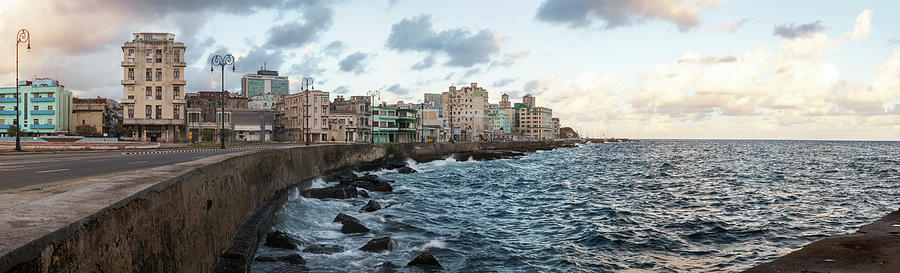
[372,94]
[221,62]
[23,37]
[306,84]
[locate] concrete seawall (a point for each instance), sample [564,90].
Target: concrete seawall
[186,219]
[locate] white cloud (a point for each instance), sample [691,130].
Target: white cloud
[733,25]
[863,26]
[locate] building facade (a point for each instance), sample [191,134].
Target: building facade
[302,114]
[101,113]
[204,114]
[465,112]
[535,123]
[264,82]
[253,124]
[153,84]
[392,125]
[265,101]
[47,108]
[349,120]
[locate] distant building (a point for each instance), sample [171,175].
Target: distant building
[99,112]
[555,128]
[204,114]
[504,101]
[532,122]
[265,101]
[253,124]
[264,82]
[392,125]
[301,114]
[500,123]
[431,124]
[46,104]
[465,111]
[434,99]
[528,100]
[153,83]
[349,120]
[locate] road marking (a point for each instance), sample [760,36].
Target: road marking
[10,167]
[50,171]
[138,162]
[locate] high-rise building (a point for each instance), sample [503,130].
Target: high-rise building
[264,82]
[465,111]
[46,105]
[153,85]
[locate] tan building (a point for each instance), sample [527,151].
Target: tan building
[101,113]
[205,116]
[153,85]
[536,123]
[348,120]
[301,114]
[465,111]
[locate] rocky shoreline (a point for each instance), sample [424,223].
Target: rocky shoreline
[352,186]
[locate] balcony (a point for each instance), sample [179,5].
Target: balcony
[179,64]
[43,112]
[43,126]
[8,100]
[5,126]
[179,82]
[127,82]
[9,112]
[44,99]
[127,64]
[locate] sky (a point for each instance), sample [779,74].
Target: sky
[718,69]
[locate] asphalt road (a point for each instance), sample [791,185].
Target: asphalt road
[33,169]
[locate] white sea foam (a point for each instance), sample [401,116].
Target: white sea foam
[318,183]
[434,244]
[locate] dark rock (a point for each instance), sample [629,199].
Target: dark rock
[370,207]
[353,227]
[290,259]
[395,165]
[379,245]
[367,177]
[347,177]
[290,269]
[280,239]
[323,249]
[381,185]
[368,184]
[343,218]
[330,192]
[424,259]
[406,170]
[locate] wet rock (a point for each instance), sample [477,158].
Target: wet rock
[280,239]
[290,259]
[425,259]
[370,207]
[351,227]
[394,165]
[330,192]
[323,249]
[367,177]
[381,185]
[343,217]
[290,269]
[363,194]
[347,177]
[370,185]
[380,245]
[406,170]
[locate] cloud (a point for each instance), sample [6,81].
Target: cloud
[398,89]
[509,58]
[610,14]
[426,63]
[464,48]
[733,25]
[792,30]
[334,48]
[863,26]
[503,82]
[471,72]
[354,63]
[256,57]
[293,34]
[894,41]
[343,89]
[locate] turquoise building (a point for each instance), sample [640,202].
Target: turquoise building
[47,107]
[264,82]
[391,125]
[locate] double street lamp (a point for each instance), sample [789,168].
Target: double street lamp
[306,85]
[372,94]
[221,62]
[23,37]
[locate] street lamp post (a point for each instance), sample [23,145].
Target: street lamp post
[221,62]
[307,83]
[372,95]
[23,37]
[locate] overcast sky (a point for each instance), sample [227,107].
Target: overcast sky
[629,68]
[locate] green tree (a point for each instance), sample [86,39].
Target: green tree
[86,130]
[13,131]
[207,134]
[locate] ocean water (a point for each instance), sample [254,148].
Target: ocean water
[660,206]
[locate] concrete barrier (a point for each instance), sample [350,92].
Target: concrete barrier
[187,222]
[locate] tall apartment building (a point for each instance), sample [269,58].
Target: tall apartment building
[465,111]
[349,120]
[533,122]
[302,113]
[46,104]
[264,82]
[153,83]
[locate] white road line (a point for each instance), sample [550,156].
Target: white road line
[50,171]
[138,162]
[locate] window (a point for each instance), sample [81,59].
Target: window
[36,122]
[131,112]
[2,122]
[50,107]
[36,107]
[159,56]
[36,95]
[159,112]
[149,75]
[159,93]
[2,96]
[176,115]
[2,108]
[176,92]
[131,73]
[149,112]
[324,123]
[149,52]
[177,74]
[50,121]
[159,74]
[177,54]
[149,93]
[131,52]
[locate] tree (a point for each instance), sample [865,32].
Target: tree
[12,131]
[207,134]
[86,130]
